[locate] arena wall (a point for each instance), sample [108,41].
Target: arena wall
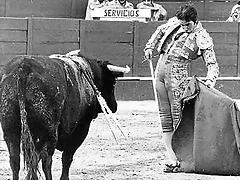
[210,10]
[118,42]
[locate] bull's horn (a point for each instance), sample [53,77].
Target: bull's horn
[73,53]
[119,69]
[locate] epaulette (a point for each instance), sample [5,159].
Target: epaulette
[204,40]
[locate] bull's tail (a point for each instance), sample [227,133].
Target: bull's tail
[30,154]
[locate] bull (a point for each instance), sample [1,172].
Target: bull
[48,103]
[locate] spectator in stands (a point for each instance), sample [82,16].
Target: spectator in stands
[120,4]
[235,13]
[159,13]
[92,4]
[179,41]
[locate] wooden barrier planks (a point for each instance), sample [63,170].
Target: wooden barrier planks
[112,41]
[50,8]
[225,38]
[118,42]
[13,38]
[142,90]
[56,23]
[54,36]
[13,23]
[39,8]
[134,90]
[2,8]
[43,8]
[79,8]
[15,8]
[145,30]
[217,10]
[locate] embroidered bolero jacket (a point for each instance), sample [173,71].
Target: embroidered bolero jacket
[171,39]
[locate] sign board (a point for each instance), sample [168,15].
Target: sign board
[109,14]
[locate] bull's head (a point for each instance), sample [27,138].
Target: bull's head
[105,75]
[107,87]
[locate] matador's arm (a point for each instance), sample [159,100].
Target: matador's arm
[160,32]
[155,38]
[205,44]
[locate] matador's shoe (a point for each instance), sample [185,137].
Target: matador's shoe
[174,167]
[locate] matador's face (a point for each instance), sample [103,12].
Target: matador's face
[188,26]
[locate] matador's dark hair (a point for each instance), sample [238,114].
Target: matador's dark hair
[187,12]
[122,2]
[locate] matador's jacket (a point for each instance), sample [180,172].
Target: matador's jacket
[179,48]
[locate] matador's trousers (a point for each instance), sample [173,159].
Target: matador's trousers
[171,80]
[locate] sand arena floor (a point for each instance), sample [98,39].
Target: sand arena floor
[100,158]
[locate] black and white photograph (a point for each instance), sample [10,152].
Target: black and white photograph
[119,90]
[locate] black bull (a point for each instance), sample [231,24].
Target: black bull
[46,104]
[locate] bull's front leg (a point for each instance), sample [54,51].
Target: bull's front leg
[72,145]
[67,158]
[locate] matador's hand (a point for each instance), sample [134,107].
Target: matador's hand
[148,54]
[209,83]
